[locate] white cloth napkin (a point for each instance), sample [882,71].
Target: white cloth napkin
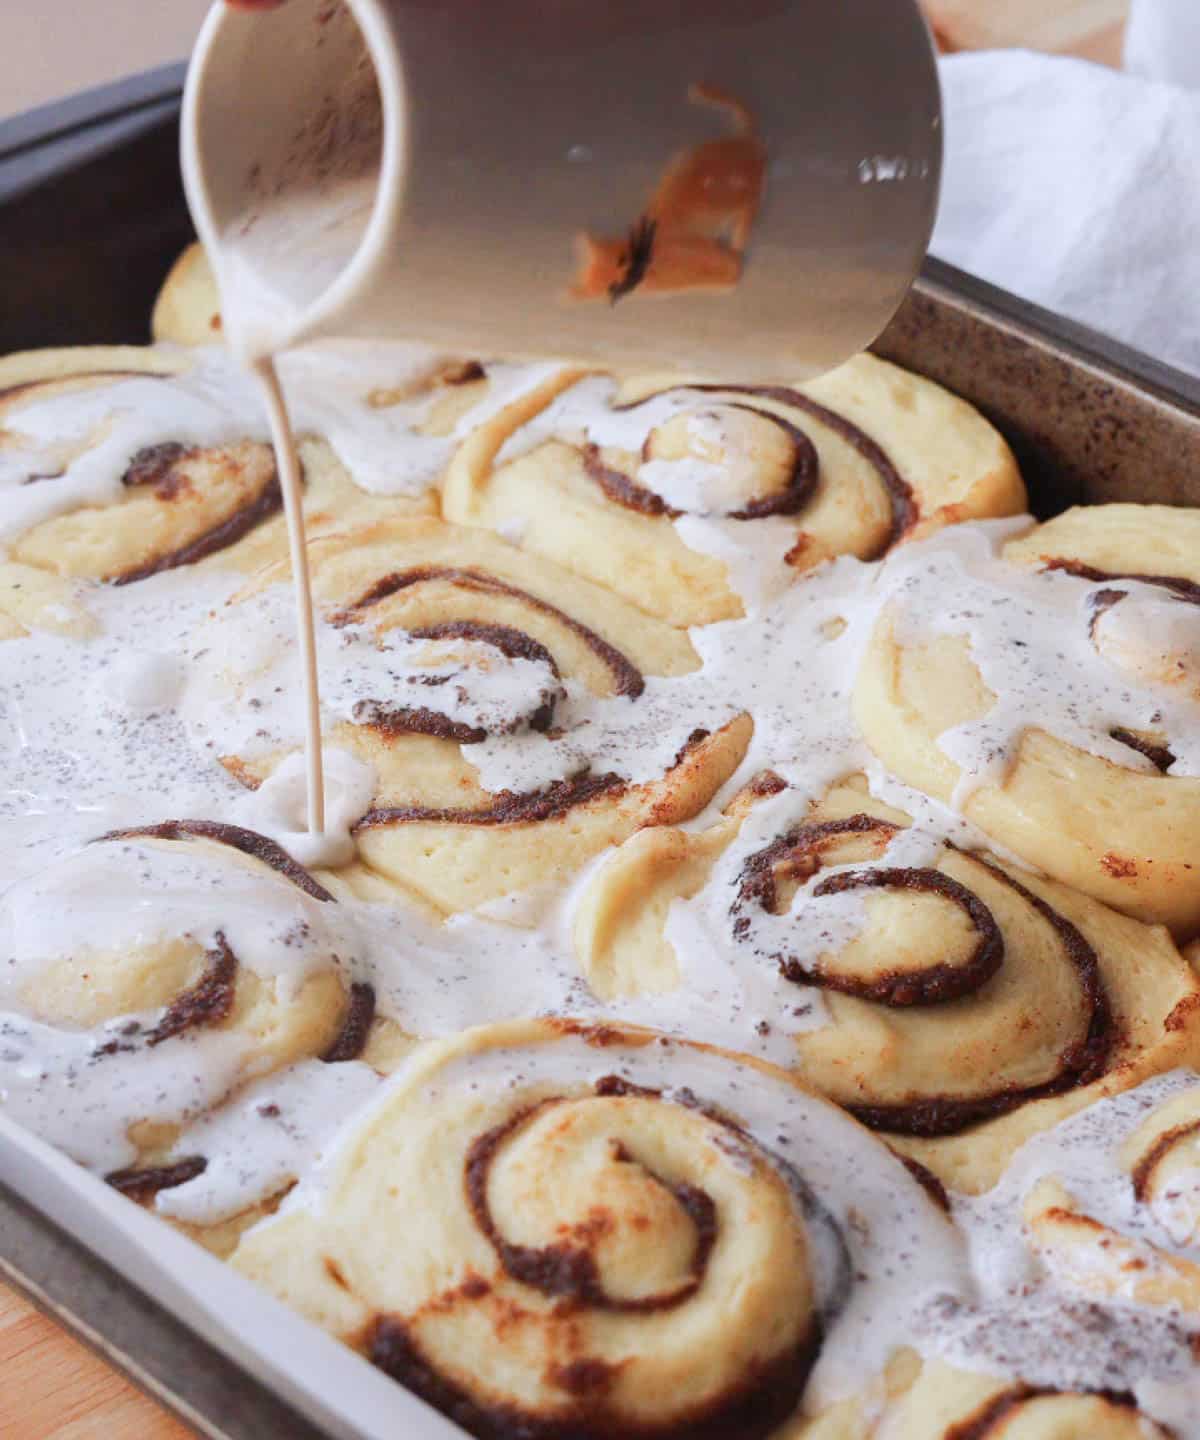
[1077,187]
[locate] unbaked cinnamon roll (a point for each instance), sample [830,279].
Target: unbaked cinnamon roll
[452,668]
[1045,685]
[947,999]
[684,498]
[549,1229]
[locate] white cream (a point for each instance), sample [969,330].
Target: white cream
[1029,637]
[1152,636]
[203,398]
[272,1133]
[278,808]
[1024,1321]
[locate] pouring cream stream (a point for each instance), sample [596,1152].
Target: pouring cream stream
[299,234]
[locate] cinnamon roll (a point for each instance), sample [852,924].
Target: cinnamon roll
[551,1229]
[1045,685]
[31,599]
[187,310]
[155,971]
[681,497]
[951,1404]
[453,666]
[120,463]
[1087,1277]
[948,1000]
[1130,1233]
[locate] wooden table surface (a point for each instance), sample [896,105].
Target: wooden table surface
[54,1388]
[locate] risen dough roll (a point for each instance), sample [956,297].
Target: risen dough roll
[188,308]
[950,1404]
[976,1005]
[31,599]
[238,976]
[539,1238]
[851,463]
[476,608]
[174,503]
[1153,1259]
[1127,835]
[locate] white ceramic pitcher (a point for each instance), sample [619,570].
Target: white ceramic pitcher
[438,169]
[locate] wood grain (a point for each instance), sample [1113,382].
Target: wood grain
[54,1388]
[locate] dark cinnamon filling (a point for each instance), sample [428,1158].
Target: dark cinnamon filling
[799,853]
[423,720]
[462,372]
[156,466]
[934,984]
[158,470]
[635,259]
[248,842]
[1098,604]
[789,499]
[1162,757]
[208,1002]
[569,1271]
[928,1182]
[508,808]
[994,1416]
[904,512]
[626,678]
[1144,1170]
[352,1037]
[1179,587]
[1159,755]
[1078,1064]
[752,1411]
[142,1185]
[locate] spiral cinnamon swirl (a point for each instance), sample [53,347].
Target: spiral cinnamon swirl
[950,1404]
[602,1232]
[120,463]
[1049,699]
[452,667]
[665,492]
[155,971]
[948,1000]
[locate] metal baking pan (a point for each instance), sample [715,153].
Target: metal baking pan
[92,215]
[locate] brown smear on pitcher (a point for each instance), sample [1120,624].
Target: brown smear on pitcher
[694,232]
